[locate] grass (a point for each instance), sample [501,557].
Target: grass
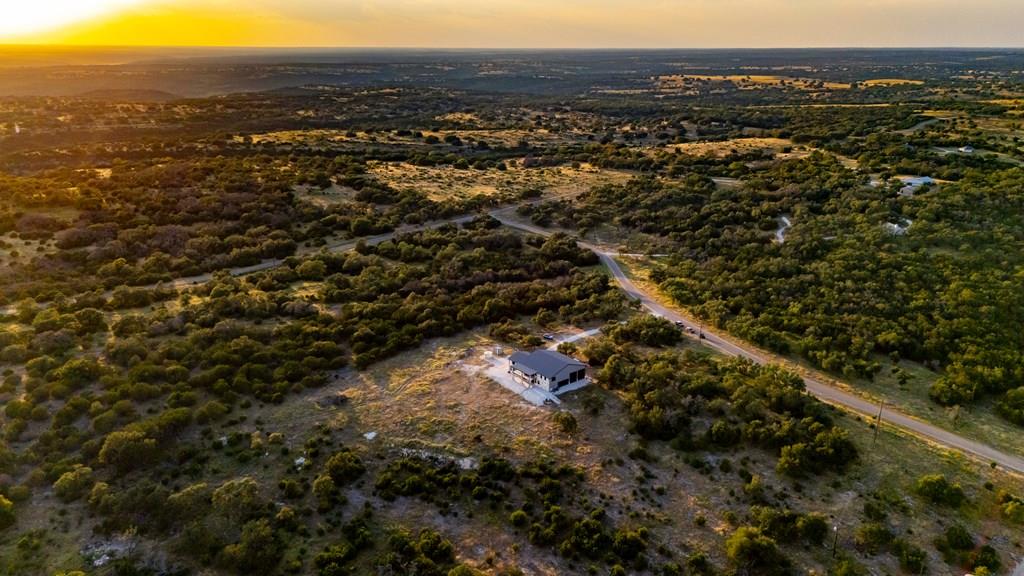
[978,421]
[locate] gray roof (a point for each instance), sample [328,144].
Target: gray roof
[547,363]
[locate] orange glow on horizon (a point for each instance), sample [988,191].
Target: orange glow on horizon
[515,23]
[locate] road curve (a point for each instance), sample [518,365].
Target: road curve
[823,391]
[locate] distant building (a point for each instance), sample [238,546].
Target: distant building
[546,369]
[912,183]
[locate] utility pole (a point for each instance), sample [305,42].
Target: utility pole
[835,540]
[878,422]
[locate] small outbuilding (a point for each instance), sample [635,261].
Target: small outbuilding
[546,369]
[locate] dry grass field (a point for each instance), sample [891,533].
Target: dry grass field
[747,82]
[327,138]
[782,147]
[445,182]
[890,82]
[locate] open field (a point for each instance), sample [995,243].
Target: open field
[324,138]
[781,147]
[445,183]
[747,82]
[890,82]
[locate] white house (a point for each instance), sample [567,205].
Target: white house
[546,369]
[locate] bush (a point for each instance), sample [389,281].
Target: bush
[911,557]
[872,537]
[847,567]
[126,450]
[753,552]
[986,557]
[73,484]
[258,550]
[566,421]
[344,467]
[6,512]
[1012,507]
[958,538]
[518,518]
[937,489]
[813,528]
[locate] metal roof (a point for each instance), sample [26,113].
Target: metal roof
[547,363]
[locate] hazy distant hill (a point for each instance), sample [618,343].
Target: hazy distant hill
[197,72]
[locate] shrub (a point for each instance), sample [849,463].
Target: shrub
[345,466]
[813,528]
[211,412]
[986,557]
[750,550]
[912,558]
[73,484]
[1012,507]
[566,421]
[937,489]
[518,518]
[258,550]
[872,537]
[6,512]
[238,499]
[847,567]
[958,538]
[125,450]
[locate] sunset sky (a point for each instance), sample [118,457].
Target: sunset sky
[516,23]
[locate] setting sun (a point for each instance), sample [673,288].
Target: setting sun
[41,15]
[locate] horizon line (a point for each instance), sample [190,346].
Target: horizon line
[4,45]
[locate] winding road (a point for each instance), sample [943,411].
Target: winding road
[822,390]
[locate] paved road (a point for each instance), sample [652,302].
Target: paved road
[822,390]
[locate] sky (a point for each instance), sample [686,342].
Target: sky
[516,23]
